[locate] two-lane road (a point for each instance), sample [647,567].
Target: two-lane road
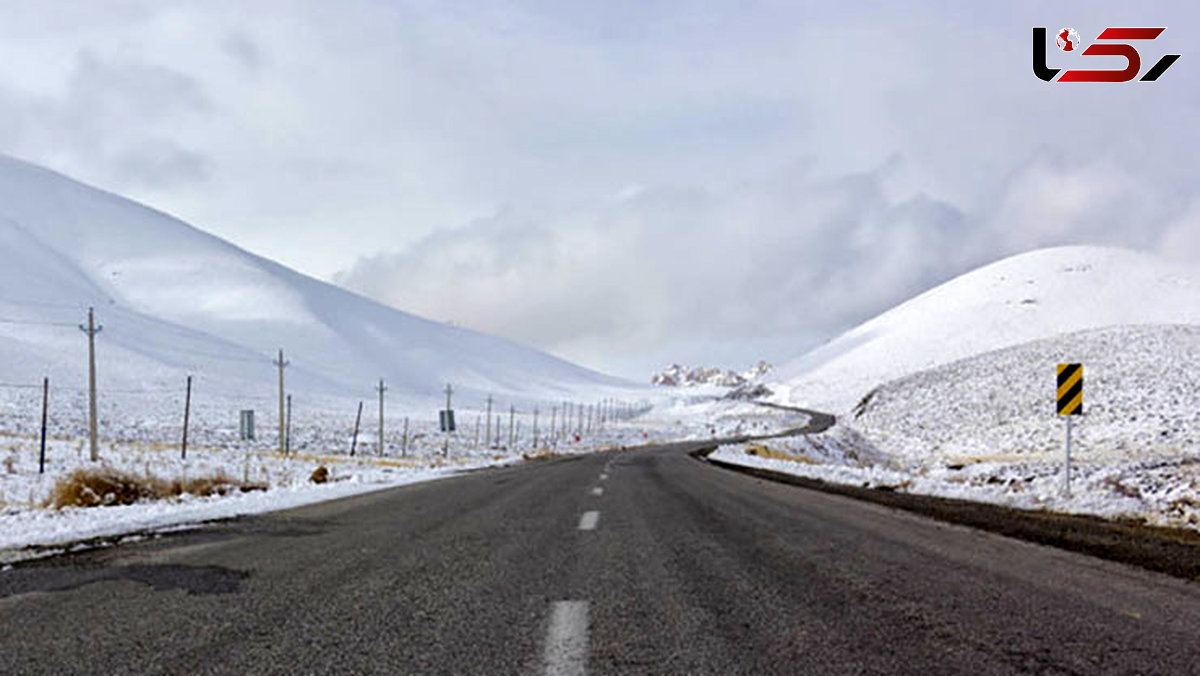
[641,562]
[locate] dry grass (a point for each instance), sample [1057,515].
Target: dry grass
[103,487]
[765,452]
[540,455]
[1121,488]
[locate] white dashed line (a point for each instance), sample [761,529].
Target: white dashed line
[567,639]
[603,477]
[597,491]
[588,520]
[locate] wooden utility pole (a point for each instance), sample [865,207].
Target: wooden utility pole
[553,426]
[589,423]
[488,436]
[535,429]
[381,389]
[282,364]
[45,406]
[287,430]
[512,412]
[476,442]
[357,422]
[91,330]
[187,411]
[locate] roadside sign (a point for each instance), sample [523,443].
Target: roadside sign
[1070,389]
[1070,403]
[446,418]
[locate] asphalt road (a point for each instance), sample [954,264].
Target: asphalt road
[672,567]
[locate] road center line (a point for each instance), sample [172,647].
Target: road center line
[567,639]
[588,520]
[603,477]
[597,491]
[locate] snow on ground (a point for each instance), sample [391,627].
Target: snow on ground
[141,434]
[707,415]
[26,519]
[1158,491]
[952,393]
[1141,401]
[985,428]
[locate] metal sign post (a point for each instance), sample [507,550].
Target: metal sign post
[1070,404]
[447,420]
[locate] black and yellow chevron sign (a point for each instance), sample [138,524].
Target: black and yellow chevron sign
[1070,389]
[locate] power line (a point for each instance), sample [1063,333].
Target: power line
[34,322]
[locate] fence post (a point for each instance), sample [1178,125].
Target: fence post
[187,410]
[357,422]
[45,405]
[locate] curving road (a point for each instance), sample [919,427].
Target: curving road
[637,562]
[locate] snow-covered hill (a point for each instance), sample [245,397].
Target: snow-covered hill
[1028,297]
[952,393]
[175,300]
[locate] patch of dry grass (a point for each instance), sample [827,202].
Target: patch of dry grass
[767,452]
[92,487]
[543,454]
[320,475]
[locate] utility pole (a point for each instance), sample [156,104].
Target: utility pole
[91,330]
[404,439]
[589,424]
[381,388]
[282,364]
[488,436]
[535,429]
[287,430]
[187,411]
[357,422]
[512,411]
[553,426]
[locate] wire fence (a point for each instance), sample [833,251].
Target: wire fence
[214,420]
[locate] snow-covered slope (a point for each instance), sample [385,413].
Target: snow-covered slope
[1140,400]
[1028,297]
[173,299]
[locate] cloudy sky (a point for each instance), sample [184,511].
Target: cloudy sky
[623,183]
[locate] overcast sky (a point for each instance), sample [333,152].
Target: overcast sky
[623,183]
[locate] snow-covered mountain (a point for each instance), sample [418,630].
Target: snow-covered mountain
[695,376]
[174,300]
[1032,296]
